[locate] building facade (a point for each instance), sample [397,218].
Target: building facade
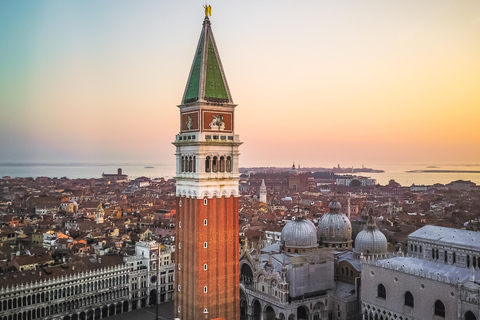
[207,178]
[90,287]
[436,279]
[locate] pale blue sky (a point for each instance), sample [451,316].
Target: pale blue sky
[319,82]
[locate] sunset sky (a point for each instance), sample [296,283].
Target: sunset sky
[316,82]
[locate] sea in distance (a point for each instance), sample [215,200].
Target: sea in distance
[406,175]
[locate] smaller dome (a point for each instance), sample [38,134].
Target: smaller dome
[335,205]
[287,199]
[371,241]
[335,227]
[299,233]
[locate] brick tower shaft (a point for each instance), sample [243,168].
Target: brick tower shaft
[207,245]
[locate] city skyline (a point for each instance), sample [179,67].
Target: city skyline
[320,83]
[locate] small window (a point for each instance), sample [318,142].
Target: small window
[180,203]
[205,311]
[179,245]
[230,137]
[381,291]
[178,287]
[439,309]
[409,301]
[179,266]
[205,289]
[208,164]
[205,222]
[208,137]
[205,245]
[178,308]
[205,201]
[215,137]
[223,137]
[180,224]
[205,267]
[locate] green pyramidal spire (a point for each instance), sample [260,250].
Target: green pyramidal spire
[207,80]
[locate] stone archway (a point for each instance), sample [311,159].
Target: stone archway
[246,275]
[153,297]
[104,312]
[90,314]
[470,316]
[269,313]
[243,309]
[98,313]
[302,313]
[257,310]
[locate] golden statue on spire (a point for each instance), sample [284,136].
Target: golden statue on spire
[208,11]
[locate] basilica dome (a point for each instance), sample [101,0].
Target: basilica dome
[370,241]
[334,228]
[299,233]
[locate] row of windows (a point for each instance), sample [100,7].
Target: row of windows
[409,301]
[212,164]
[61,307]
[61,293]
[216,164]
[188,164]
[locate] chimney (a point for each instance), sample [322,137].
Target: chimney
[119,171]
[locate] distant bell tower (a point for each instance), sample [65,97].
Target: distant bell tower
[207,179]
[263,192]
[99,214]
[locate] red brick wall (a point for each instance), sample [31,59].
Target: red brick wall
[221,256]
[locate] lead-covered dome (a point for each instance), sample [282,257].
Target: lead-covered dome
[370,241]
[334,228]
[299,234]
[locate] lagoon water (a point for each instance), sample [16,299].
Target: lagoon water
[91,170]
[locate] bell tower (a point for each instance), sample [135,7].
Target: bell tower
[207,246]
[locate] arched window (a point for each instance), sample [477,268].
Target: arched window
[439,309]
[381,291]
[194,164]
[183,164]
[222,164]
[207,165]
[470,316]
[215,164]
[409,299]
[229,164]
[190,165]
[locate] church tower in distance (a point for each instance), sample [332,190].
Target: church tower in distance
[207,246]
